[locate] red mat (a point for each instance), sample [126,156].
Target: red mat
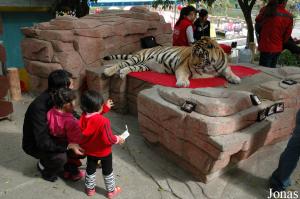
[170,80]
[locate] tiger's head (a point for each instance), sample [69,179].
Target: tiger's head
[206,52]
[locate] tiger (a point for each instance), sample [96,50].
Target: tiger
[205,56]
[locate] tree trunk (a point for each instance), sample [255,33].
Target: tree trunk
[247,9]
[250,34]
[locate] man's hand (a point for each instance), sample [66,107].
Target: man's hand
[109,103]
[76,149]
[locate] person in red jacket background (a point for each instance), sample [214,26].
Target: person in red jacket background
[183,34]
[276,25]
[97,142]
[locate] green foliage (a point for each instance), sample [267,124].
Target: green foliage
[168,4]
[286,58]
[78,8]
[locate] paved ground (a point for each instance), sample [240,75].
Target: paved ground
[140,169]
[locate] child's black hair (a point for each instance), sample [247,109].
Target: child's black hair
[91,101]
[185,11]
[62,96]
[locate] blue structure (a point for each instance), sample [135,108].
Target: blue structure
[14,16]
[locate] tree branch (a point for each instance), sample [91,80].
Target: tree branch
[252,4]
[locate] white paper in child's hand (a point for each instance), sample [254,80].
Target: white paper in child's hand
[125,135]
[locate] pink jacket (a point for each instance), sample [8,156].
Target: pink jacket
[64,126]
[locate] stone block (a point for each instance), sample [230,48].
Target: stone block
[89,48]
[62,24]
[95,81]
[165,38]
[86,23]
[71,61]
[131,48]
[30,32]
[37,84]
[62,35]
[275,90]
[98,32]
[139,28]
[45,26]
[210,101]
[41,69]
[60,46]
[35,49]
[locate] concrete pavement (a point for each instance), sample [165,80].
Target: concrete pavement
[141,170]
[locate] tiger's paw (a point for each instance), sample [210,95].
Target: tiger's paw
[182,83]
[108,72]
[123,74]
[234,80]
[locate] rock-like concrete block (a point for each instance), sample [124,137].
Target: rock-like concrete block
[275,90]
[30,32]
[60,46]
[41,69]
[89,48]
[95,81]
[62,35]
[35,49]
[208,145]
[210,101]
[71,61]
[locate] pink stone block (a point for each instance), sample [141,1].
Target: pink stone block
[62,35]
[89,48]
[35,49]
[41,69]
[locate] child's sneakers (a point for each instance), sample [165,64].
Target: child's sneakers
[90,192]
[114,193]
[68,175]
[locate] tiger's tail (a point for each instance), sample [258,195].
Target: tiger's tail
[116,57]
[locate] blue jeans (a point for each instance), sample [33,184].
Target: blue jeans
[268,59]
[280,178]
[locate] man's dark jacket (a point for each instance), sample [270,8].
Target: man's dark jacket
[36,136]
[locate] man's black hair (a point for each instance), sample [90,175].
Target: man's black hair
[62,96]
[203,13]
[91,101]
[59,79]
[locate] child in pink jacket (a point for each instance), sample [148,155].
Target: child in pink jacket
[64,127]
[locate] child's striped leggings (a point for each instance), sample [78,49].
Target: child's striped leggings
[107,171]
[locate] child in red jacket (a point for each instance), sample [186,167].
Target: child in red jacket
[97,142]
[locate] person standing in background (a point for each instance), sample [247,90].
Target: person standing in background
[274,27]
[183,34]
[202,25]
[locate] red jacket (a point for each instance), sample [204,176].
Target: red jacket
[275,30]
[179,33]
[97,134]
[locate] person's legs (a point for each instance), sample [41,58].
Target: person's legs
[71,170]
[108,176]
[265,59]
[280,178]
[53,163]
[274,59]
[90,176]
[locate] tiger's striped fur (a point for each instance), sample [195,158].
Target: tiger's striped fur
[204,57]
